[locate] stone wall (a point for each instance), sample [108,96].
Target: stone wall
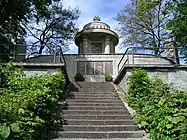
[176,76]
[39,69]
[107,60]
[96,65]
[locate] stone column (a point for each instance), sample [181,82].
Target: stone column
[81,48]
[107,44]
[112,47]
[85,45]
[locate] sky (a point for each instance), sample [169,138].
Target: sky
[106,9]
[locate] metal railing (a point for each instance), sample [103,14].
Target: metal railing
[63,60]
[19,52]
[171,54]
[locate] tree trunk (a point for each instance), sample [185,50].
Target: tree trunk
[41,49]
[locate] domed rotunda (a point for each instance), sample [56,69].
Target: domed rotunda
[96,38]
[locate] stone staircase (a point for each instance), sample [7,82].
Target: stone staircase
[95,111]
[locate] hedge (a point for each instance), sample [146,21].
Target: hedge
[160,108]
[27,104]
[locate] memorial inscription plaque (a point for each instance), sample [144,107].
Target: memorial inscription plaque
[109,67]
[89,68]
[94,67]
[98,68]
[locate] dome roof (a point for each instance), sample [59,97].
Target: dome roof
[96,28]
[96,24]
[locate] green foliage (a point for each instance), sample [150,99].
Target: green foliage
[161,109]
[58,28]
[178,23]
[16,12]
[45,20]
[79,77]
[144,7]
[108,77]
[28,104]
[144,25]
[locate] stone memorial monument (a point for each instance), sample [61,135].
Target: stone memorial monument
[96,38]
[96,56]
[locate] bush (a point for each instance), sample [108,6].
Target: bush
[160,109]
[28,104]
[108,77]
[79,77]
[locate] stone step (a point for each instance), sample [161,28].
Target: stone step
[93,95]
[97,117]
[92,83]
[96,87]
[98,128]
[94,107]
[101,139]
[98,122]
[94,104]
[97,112]
[76,92]
[93,101]
[95,90]
[96,98]
[100,135]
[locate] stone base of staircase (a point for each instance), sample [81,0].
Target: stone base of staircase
[101,139]
[95,111]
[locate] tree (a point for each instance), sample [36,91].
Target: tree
[15,12]
[56,29]
[178,23]
[19,9]
[12,14]
[10,35]
[144,25]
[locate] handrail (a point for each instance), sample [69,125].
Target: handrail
[176,57]
[123,57]
[65,66]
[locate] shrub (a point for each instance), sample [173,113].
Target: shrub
[28,104]
[108,77]
[79,77]
[160,109]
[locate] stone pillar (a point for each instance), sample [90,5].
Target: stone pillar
[112,46]
[107,44]
[81,48]
[85,45]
